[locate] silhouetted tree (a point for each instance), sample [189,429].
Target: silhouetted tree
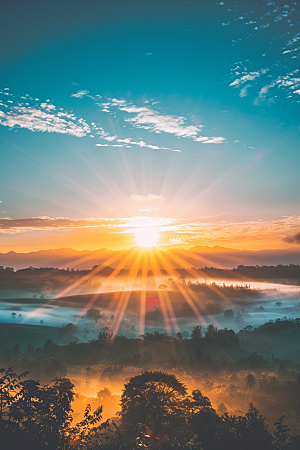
[196,333]
[250,381]
[281,433]
[203,419]
[157,400]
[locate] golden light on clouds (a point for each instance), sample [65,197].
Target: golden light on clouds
[35,233]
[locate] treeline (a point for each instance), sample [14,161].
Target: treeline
[212,350]
[37,277]
[256,273]
[156,414]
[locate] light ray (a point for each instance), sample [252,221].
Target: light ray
[156,273]
[188,298]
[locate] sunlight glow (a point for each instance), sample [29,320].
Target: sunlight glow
[147,237]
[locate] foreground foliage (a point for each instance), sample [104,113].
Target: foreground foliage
[156,414]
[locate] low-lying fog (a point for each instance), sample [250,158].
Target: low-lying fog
[254,306]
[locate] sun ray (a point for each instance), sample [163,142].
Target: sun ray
[157,274]
[143,293]
[187,298]
[132,274]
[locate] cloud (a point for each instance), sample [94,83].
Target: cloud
[12,226]
[80,94]
[140,143]
[151,120]
[248,77]
[243,92]
[144,117]
[295,239]
[286,82]
[174,231]
[43,117]
[109,145]
[8,225]
[146,198]
[280,48]
[36,116]
[214,140]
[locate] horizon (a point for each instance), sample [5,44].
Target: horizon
[160,248]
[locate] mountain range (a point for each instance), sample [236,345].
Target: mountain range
[197,256]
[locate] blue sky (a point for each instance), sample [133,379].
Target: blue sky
[186,110]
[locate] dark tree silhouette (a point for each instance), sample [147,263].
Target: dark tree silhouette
[250,381]
[157,400]
[281,433]
[196,332]
[39,417]
[203,420]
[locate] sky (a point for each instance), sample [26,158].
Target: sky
[179,117]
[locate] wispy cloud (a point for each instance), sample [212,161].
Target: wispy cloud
[43,117]
[288,82]
[278,46]
[173,230]
[80,94]
[248,77]
[12,226]
[147,198]
[8,225]
[155,121]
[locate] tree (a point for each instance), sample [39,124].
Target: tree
[196,332]
[39,417]
[157,400]
[244,432]
[44,413]
[281,433]
[250,381]
[203,419]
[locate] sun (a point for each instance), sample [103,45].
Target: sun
[147,237]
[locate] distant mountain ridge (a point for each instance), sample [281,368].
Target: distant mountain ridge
[197,256]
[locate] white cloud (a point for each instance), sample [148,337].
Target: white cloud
[157,122]
[151,120]
[214,140]
[248,77]
[80,94]
[26,113]
[109,145]
[287,81]
[146,198]
[295,39]
[210,140]
[37,120]
[290,51]
[109,138]
[138,143]
[243,92]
